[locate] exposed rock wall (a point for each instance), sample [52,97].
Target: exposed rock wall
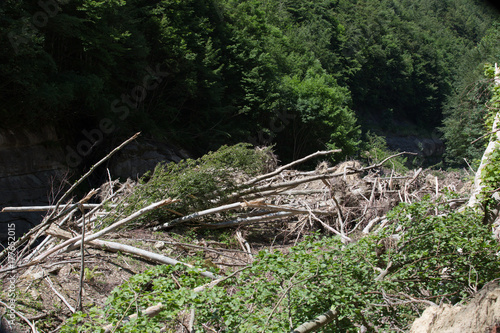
[30,164]
[141,156]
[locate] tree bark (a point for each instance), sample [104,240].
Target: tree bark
[317,323]
[474,200]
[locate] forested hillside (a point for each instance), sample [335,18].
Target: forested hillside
[302,74]
[289,213]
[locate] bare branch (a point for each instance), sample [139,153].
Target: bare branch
[318,322]
[289,165]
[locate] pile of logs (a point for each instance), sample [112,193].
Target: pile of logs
[344,200]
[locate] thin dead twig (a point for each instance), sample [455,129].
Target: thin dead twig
[344,237]
[244,245]
[79,303]
[289,165]
[51,285]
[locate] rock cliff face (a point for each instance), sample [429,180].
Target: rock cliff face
[141,156]
[30,164]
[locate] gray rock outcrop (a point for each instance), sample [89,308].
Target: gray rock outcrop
[30,172]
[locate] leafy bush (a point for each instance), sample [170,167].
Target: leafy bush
[198,183]
[428,253]
[376,150]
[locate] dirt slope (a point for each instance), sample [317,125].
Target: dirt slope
[482,314]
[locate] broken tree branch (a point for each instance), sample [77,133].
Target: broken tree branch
[149,312]
[117,247]
[70,244]
[318,322]
[43,208]
[248,220]
[289,165]
[51,285]
[200,213]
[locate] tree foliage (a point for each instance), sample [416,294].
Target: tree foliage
[469,107]
[289,72]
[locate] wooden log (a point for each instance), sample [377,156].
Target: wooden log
[117,247]
[43,208]
[149,312]
[193,216]
[371,223]
[318,322]
[249,220]
[288,209]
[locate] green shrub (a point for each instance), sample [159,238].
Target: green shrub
[376,150]
[199,184]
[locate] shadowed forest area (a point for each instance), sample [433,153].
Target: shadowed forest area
[303,75]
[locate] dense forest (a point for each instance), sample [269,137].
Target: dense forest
[303,75]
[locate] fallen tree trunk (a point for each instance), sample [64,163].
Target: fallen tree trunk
[191,217]
[117,247]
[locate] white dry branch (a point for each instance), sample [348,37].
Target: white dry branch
[318,322]
[149,312]
[35,232]
[117,247]
[75,242]
[289,165]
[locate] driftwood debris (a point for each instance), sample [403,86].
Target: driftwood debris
[281,195]
[345,200]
